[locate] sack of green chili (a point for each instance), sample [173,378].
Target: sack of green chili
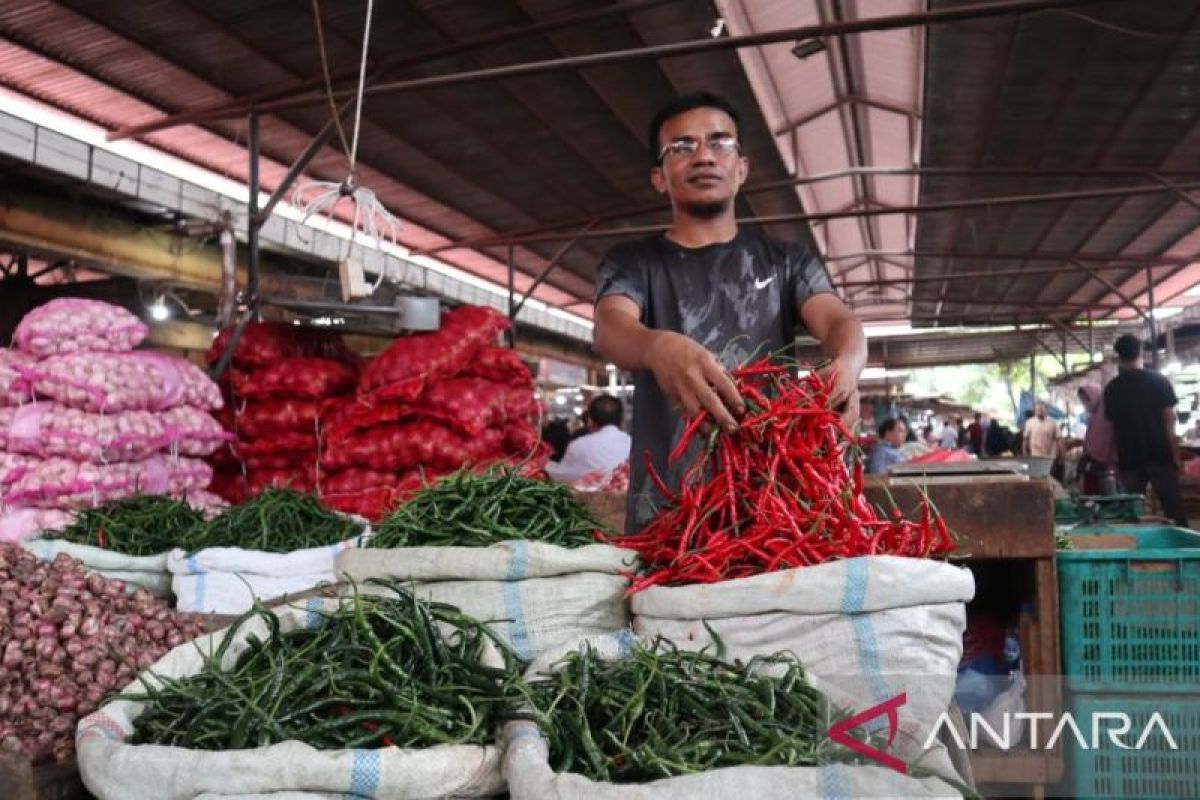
[139,572]
[227,580]
[535,595]
[301,765]
[865,629]
[614,718]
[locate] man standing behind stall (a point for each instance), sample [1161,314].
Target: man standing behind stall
[668,305]
[1141,407]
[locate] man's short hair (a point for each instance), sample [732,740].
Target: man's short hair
[682,104]
[1128,347]
[606,410]
[888,426]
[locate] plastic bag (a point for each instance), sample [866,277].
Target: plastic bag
[14,388]
[192,432]
[311,378]
[74,325]
[62,483]
[500,365]
[51,430]
[402,371]
[264,418]
[112,382]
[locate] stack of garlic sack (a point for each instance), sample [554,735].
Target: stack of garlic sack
[85,420]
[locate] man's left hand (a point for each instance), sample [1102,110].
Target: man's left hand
[844,394]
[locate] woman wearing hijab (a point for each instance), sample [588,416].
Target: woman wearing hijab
[1099,447]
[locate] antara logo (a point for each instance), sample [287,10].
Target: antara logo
[840,732]
[1117,732]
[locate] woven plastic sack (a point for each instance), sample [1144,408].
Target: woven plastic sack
[138,572]
[537,595]
[50,430]
[265,343]
[265,418]
[400,447]
[194,432]
[865,629]
[284,451]
[500,365]
[227,580]
[310,378]
[471,405]
[111,382]
[14,388]
[113,769]
[62,483]
[74,325]
[403,370]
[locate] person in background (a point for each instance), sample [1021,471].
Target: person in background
[1141,407]
[1099,449]
[928,437]
[975,435]
[557,434]
[888,450]
[604,448]
[997,440]
[1041,433]
[948,439]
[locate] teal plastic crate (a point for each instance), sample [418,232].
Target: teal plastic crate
[1131,618]
[1156,772]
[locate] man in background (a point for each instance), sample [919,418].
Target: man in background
[975,435]
[1041,433]
[602,449]
[1141,406]
[889,449]
[948,439]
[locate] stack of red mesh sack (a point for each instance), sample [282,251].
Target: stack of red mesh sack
[85,419]
[278,381]
[429,405]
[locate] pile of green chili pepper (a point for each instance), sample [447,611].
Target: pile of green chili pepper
[1062,540]
[377,672]
[663,712]
[276,521]
[480,510]
[138,526]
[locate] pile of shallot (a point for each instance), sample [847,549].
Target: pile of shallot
[68,638]
[93,420]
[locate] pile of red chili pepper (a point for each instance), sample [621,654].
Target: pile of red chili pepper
[774,494]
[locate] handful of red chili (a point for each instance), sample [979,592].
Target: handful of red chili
[774,494]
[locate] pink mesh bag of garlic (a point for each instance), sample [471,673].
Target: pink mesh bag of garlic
[49,429]
[63,483]
[74,325]
[14,388]
[193,432]
[111,382]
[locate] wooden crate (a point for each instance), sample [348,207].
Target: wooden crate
[19,780]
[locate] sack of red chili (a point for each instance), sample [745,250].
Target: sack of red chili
[774,494]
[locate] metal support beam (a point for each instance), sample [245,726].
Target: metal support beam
[545,273]
[512,296]
[300,164]
[253,222]
[1071,266]
[1151,320]
[1112,287]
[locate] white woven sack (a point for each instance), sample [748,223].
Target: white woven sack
[535,595]
[138,572]
[865,630]
[226,580]
[530,776]
[112,769]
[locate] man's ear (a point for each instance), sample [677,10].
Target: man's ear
[743,170]
[658,180]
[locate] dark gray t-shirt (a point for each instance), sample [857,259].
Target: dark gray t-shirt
[740,300]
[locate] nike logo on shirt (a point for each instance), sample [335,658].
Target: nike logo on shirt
[762,283]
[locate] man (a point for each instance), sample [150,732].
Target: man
[975,435]
[1041,433]
[667,306]
[602,449]
[888,449]
[948,439]
[1141,407]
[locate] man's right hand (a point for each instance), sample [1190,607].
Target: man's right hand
[691,376]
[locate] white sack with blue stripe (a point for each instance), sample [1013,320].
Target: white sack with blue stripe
[534,595]
[113,769]
[138,572]
[227,580]
[865,629]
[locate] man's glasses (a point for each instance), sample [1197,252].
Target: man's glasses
[720,144]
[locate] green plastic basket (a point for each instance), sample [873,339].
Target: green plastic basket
[1131,618]
[1156,771]
[1099,508]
